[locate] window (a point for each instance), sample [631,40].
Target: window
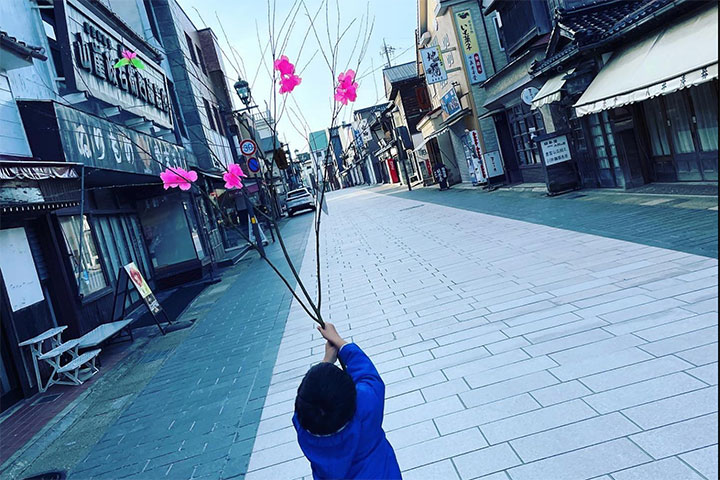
[202,60]
[656,127]
[218,120]
[497,20]
[151,18]
[603,141]
[87,270]
[524,124]
[177,114]
[48,19]
[680,123]
[208,112]
[705,103]
[191,48]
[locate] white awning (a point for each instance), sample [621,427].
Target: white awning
[676,57]
[550,92]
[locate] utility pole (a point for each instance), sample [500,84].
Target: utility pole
[387,51]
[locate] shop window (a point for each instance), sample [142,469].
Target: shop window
[678,113]
[606,156]
[705,104]
[86,264]
[167,230]
[525,124]
[656,127]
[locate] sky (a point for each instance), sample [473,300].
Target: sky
[246,24]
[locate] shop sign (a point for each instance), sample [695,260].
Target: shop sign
[528,95]
[555,150]
[493,163]
[433,65]
[475,138]
[472,156]
[450,102]
[18,269]
[142,287]
[102,144]
[93,49]
[470,47]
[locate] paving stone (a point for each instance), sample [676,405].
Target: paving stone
[674,409]
[638,372]
[706,373]
[486,461]
[567,342]
[584,463]
[443,469]
[679,327]
[599,348]
[483,414]
[395,388]
[704,460]
[643,392]
[440,448]
[701,355]
[442,390]
[667,469]
[513,370]
[679,437]
[600,364]
[404,401]
[421,413]
[536,421]
[560,393]
[572,437]
[412,434]
[682,342]
[647,321]
[460,360]
[507,388]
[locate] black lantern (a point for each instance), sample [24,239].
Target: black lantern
[242,88]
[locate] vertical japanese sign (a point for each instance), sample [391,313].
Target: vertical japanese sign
[470,47]
[433,65]
[482,172]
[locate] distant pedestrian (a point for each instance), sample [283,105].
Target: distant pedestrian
[339,413]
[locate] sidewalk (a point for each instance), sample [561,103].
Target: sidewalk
[186,404]
[510,349]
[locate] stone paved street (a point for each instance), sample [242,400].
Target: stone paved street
[514,350]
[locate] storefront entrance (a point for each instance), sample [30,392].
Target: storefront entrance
[683,134]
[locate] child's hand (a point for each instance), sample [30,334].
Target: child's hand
[330,334]
[331,353]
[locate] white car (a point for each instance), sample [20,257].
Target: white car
[299,199]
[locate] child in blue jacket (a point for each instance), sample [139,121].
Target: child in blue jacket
[339,414]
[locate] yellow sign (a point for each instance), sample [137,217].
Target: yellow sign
[469,45]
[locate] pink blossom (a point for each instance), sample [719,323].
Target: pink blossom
[288,83]
[233,177]
[346,90]
[178,177]
[288,79]
[284,66]
[128,54]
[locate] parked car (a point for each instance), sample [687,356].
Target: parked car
[299,199]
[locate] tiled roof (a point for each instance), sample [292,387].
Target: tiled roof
[398,73]
[21,47]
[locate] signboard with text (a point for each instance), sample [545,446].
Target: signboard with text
[90,51]
[433,65]
[143,288]
[470,47]
[493,163]
[561,173]
[102,144]
[450,102]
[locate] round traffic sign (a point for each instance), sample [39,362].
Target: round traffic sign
[248,147]
[253,165]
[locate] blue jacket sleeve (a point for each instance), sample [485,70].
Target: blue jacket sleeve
[370,387]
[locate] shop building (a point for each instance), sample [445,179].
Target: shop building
[368,134]
[80,195]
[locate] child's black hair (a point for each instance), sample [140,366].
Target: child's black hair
[325,400]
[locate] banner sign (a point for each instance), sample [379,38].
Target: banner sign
[555,150]
[470,47]
[450,102]
[102,144]
[433,65]
[92,48]
[475,138]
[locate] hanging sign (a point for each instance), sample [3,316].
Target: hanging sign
[433,65]
[248,147]
[528,95]
[450,102]
[470,47]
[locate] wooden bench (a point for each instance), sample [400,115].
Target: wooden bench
[103,333]
[53,358]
